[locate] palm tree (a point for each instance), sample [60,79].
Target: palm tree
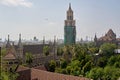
[29,58]
[46,50]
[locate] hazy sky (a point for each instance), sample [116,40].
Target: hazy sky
[46,18]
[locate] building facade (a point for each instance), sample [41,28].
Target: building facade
[69,28]
[109,37]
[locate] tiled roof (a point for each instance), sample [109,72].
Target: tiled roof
[10,55]
[36,74]
[109,36]
[110,31]
[42,67]
[45,75]
[22,68]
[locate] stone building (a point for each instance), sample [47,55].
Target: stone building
[69,28]
[9,60]
[109,37]
[18,49]
[10,57]
[36,50]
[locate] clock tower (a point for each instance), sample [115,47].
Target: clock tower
[69,28]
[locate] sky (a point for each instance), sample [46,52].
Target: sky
[46,18]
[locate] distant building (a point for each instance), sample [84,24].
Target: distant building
[109,37]
[9,59]
[69,28]
[19,51]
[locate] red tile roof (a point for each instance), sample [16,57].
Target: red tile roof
[9,55]
[36,74]
[42,67]
[22,68]
[109,36]
[45,75]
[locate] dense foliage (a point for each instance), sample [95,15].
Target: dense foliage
[98,63]
[28,59]
[46,50]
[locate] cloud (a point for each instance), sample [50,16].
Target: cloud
[52,23]
[24,3]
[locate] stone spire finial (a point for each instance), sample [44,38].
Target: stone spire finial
[8,42]
[69,6]
[8,37]
[20,43]
[95,38]
[54,40]
[19,38]
[20,48]
[43,40]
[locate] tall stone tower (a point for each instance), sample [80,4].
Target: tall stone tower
[20,48]
[69,28]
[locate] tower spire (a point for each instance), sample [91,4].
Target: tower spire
[19,38]
[43,40]
[95,39]
[8,43]
[69,6]
[19,43]
[20,48]
[8,37]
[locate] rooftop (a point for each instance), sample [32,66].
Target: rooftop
[9,55]
[36,74]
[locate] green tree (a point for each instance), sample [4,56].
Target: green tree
[117,64]
[46,50]
[111,73]
[63,63]
[29,58]
[93,50]
[67,53]
[68,69]
[96,73]
[3,51]
[87,67]
[8,75]
[52,65]
[102,62]
[107,73]
[59,51]
[107,49]
[73,68]
[114,60]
